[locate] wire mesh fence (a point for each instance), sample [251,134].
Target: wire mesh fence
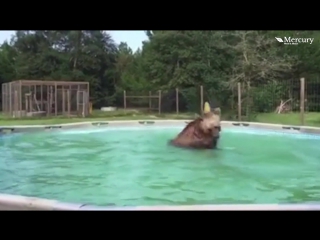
[284,102]
[147,101]
[292,101]
[280,102]
[312,94]
[164,101]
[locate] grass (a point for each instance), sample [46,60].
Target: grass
[311,119]
[95,116]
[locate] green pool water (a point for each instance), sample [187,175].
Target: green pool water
[135,166]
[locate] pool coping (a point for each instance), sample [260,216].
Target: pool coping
[142,122]
[17,202]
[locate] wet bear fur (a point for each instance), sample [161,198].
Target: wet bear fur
[201,133]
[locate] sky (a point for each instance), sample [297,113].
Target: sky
[132,38]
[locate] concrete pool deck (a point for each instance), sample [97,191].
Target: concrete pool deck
[15,202]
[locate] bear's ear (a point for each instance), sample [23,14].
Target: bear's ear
[206,108]
[196,115]
[217,111]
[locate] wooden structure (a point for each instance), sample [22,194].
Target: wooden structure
[29,98]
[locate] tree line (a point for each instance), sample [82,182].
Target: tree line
[218,60]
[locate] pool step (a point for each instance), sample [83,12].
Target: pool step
[52,127]
[291,128]
[146,122]
[6,130]
[98,124]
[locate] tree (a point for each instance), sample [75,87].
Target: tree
[218,60]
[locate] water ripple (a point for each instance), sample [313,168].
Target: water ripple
[137,167]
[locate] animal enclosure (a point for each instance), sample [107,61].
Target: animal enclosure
[30,98]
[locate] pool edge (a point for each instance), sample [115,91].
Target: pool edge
[16,202]
[142,122]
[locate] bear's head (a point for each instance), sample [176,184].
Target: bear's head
[210,123]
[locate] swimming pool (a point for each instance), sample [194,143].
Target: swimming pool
[134,166]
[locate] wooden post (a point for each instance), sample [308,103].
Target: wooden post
[34,98]
[90,108]
[159,102]
[302,99]
[63,101]
[10,98]
[55,98]
[20,98]
[124,99]
[41,95]
[26,99]
[5,92]
[16,103]
[89,105]
[232,98]
[13,99]
[68,99]
[3,98]
[78,96]
[201,100]
[239,102]
[84,100]
[177,100]
[5,95]
[4,86]
[248,100]
[47,100]
[150,104]
[30,102]
[29,106]
[51,99]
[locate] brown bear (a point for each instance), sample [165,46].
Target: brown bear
[201,133]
